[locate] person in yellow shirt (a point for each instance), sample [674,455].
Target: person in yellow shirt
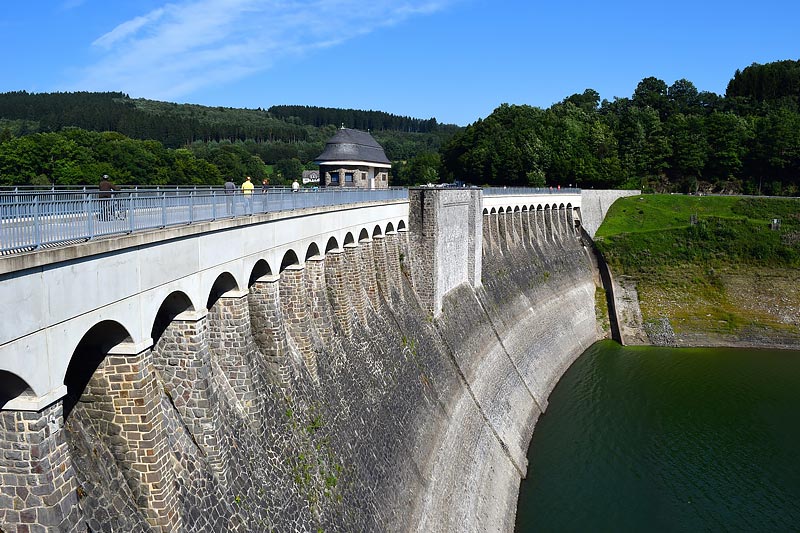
[247,187]
[247,191]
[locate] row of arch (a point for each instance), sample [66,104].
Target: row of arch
[539,207]
[183,297]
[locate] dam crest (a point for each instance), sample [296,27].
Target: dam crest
[381,368]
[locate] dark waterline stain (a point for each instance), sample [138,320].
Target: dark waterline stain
[663,439]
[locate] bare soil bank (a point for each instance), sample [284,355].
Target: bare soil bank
[695,306]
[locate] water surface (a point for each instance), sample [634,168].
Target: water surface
[663,439]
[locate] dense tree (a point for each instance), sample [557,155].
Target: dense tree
[288,169]
[663,137]
[354,118]
[424,168]
[776,83]
[651,92]
[683,97]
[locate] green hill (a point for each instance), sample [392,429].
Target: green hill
[709,264]
[43,139]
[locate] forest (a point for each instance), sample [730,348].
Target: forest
[665,138]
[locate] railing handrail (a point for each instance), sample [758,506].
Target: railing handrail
[529,191]
[31,220]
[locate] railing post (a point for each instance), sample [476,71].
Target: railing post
[191,207]
[163,208]
[213,205]
[130,213]
[37,231]
[89,208]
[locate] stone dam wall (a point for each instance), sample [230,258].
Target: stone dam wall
[326,397]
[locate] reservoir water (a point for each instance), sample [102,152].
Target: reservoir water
[663,439]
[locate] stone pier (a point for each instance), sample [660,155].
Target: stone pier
[231,343]
[38,489]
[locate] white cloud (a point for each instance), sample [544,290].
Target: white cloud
[183,46]
[127,29]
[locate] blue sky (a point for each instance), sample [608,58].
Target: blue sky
[455,60]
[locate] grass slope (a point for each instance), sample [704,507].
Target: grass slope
[709,264]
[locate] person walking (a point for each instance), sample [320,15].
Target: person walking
[230,190]
[106,189]
[295,186]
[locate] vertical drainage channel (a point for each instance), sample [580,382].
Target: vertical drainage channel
[608,285]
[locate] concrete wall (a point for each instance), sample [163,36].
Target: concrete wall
[61,294]
[323,397]
[595,205]
[445,227]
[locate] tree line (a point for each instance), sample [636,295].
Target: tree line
[73,138]
[662,138]
[357,119]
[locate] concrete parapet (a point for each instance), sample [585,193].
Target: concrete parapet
[595,205]
[446,234]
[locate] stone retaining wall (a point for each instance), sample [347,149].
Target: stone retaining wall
[342,404]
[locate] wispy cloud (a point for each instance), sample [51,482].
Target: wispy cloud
[183,46]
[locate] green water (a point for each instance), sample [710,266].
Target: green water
[662,439]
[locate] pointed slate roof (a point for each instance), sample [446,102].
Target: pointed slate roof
[353,145]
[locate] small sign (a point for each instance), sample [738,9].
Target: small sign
[310,176]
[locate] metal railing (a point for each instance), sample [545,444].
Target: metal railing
[528,191]
[34,220]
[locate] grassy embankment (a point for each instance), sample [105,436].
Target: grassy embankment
[727,273]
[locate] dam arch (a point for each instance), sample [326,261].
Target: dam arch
[254,258]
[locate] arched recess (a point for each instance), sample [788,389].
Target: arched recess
[508,209]
[313,250]
[225,282]
[389,227]
[173,305]
[90,352]
[524,208]
[363,236]
[402,225]
[500,211]
[332,245]
[516,208]
[485,212]
[289,259]
[12,386]
[376,231]
[260,269]
[493,211]
[561,206]
[348,239]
